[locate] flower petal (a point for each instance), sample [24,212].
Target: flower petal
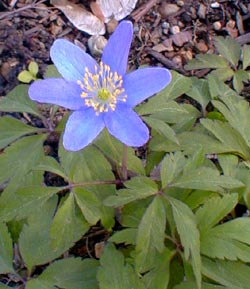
[81,129]
[144,82]
[70,60]
[126,125]
[116,51]
[57,91]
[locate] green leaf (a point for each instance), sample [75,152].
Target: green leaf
[179,85]
[6,252]
[239,78]
[18,101]
[214,210]
[199,91]
[206,61]
[126,236]
[191,285]
[246,56]
[24,201]
[237,113]
[228,48]
[228,135]
[49,164]
[230,241]
[159,276]
[34,241]
[151,233]
[234,275]
[69,273]
[25,76]
[198,179]
[222,74]
[162,128]
[21,157]
[12,129]
[51,71]
[137,188]
[189,234]
[171,167]
[67,226]
[90,205]
[114,273]
[33,68]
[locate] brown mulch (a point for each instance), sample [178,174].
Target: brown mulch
[28,29]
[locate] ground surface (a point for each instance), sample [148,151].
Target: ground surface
[28,29]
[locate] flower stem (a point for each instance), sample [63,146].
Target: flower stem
[124,170]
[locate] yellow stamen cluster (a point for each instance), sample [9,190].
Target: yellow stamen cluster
[102,89]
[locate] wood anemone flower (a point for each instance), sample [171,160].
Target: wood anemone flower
[100,95]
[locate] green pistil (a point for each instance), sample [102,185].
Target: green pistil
[103,94]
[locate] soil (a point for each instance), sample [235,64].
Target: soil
[28,29]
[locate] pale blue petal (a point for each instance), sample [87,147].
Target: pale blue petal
[70,60]
[143,83]
[126,125]
[57,91]
[116,51]
[81,129]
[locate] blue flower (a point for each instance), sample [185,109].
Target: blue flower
[100,95]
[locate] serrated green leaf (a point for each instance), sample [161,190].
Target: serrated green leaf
[70,273]
[199,91]
[34,241]
[206,61]
[137,188]
[214,210]
[237,113]
[179,85]
[17,100]
[162,128]
[151,233]
[12,129]
[171,167]
[21,157]
[159,276]
[89,204]
[114,273]
[239,78]
[222,74]
[228,136]
[246,56]
[230,241]
[67,226]
[189,234]
[51,165]
[24,201]
[234,275]
[6,252]
[228,48]
[89,166]
[33,68]
[205,178]
[126,236]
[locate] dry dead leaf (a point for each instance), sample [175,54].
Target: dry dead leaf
[117,9]
[80,17]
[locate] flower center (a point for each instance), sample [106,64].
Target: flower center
[102,89]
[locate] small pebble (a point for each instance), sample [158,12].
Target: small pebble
[215,5]
[202,11]
[175,29]
[167,9]
[201,46]
[217,25]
